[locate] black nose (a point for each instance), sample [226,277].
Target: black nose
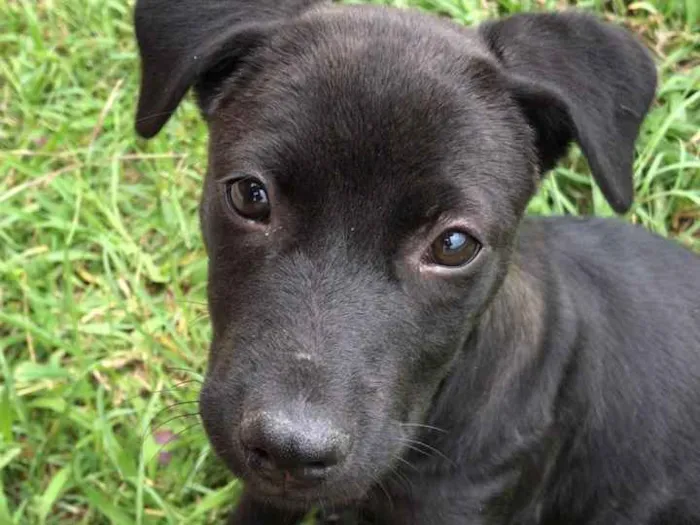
[306,448]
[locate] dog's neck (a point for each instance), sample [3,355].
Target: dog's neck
[501,395]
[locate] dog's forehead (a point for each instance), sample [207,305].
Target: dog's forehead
[364,106]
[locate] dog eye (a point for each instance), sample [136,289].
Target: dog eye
[248,197]
[454,248]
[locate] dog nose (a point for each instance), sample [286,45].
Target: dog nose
[303,448]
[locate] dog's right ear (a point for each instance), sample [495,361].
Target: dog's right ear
[186,43]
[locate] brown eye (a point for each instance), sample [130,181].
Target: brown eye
[248,197]
[454,248]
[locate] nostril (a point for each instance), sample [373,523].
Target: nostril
[259,458]
[260,453]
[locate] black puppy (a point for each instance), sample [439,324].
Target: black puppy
[390,337]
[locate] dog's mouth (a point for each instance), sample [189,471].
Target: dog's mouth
[290,492]
[295,488]
[285,485]
[290,480]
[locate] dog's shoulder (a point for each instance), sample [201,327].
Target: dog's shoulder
[611,242]
[620,276]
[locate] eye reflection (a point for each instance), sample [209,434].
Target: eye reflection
[454,248]
[248,198]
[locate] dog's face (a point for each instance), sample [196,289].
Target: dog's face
[368,170]
[387,196]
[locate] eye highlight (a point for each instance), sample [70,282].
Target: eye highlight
[248,197]
[454,248]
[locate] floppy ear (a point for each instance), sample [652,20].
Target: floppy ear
[577,78]
[185,43]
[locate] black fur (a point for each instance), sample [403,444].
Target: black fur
[554,379]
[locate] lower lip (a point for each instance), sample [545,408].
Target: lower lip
[286,493]
[287,482]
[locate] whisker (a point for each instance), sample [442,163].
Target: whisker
[359,489]
[406,462]
[189,301]
[433,449]
[155,416]
[162,390]
[188,370]
[429,427]
[154,419]
[160,425]
[401,478]
[386,492]
[177,435]
[416,449]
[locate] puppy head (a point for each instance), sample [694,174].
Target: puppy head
[368,169]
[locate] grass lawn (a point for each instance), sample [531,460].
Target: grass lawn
[103,321]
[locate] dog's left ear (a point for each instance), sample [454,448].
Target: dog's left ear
[577,78]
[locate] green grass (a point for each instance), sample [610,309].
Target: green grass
[103,323]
